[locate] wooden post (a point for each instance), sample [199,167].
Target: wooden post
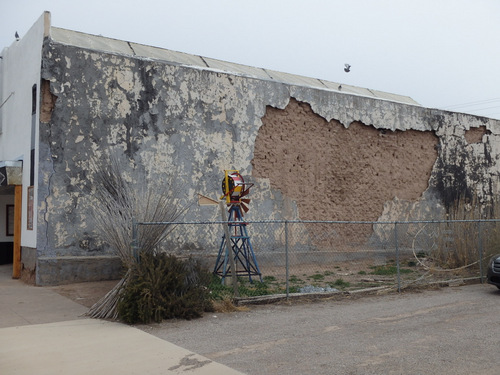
[16,269]
[229,250]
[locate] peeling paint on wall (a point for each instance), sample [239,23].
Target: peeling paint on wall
[475,135]
[312,154]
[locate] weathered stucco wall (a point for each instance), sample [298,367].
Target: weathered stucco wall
[299,145]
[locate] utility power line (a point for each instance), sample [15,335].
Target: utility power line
[472,104]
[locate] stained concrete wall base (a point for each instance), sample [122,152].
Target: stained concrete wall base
[76,269]
[28,257]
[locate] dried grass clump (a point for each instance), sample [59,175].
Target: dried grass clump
[226,305]
[462,244]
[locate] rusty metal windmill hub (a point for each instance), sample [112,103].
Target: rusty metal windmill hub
[234,189]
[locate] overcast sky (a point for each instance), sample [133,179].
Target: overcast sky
[442,53]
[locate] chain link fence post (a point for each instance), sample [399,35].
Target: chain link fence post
[480,244]
[397,255]
[287,268]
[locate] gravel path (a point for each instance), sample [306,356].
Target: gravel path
[453,330]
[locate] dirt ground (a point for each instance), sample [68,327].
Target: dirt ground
[85,294]
[88,293]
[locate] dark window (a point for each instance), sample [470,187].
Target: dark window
[33,134]
[33,100]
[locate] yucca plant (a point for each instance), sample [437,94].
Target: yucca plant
[117,203]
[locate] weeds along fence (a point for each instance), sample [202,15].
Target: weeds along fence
[329,256]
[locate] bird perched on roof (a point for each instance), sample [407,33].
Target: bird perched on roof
[16,35]
[347,68]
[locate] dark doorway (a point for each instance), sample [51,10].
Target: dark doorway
[6,224]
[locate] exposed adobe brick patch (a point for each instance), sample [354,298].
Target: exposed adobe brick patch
[48,102]
[475,135]
[334,173]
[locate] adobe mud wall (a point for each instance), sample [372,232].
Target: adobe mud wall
[312,154]
[338,173]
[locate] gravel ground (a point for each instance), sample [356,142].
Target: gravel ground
[451,330]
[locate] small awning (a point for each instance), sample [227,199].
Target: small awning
[11,173]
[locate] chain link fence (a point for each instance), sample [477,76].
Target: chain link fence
[330,256]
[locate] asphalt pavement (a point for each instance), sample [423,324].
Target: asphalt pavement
[447,331]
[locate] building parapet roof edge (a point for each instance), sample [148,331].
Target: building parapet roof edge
[115,46]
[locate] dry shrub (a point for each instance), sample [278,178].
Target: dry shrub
[161,287]
[463,240]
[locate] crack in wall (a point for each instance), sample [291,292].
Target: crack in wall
[48,100]
[46,246]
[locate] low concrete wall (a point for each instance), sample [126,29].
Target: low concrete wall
[75,269]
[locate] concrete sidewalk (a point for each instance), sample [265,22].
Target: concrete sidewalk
[44,333]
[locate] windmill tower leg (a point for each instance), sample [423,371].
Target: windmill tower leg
[242,251]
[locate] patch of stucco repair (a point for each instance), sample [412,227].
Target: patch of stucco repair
[338,173]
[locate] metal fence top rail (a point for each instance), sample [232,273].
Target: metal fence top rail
[316,222]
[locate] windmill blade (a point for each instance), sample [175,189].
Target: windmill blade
[244,206]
